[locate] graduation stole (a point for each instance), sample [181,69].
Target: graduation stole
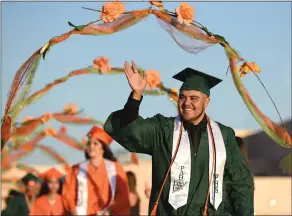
[181,167]
[82,187]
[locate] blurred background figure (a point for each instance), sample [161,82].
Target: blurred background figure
[134,196]
[99,184]
[243,147]
[49,201]
[20,205]
[147,190]
[12,193]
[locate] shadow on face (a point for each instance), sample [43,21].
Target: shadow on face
[192,105]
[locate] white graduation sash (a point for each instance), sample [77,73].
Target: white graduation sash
[82,187]
[216,193]
[181,168]
[180,173]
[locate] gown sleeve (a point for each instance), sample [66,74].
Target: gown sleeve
[239,180]
[69,191]
[133,132]
[131,111]
[121,204]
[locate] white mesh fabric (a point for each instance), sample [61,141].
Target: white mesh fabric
[186,42]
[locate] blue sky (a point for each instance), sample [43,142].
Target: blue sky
[260,31]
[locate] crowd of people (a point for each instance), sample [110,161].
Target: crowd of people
[46,195]
[97,185]
[197,165]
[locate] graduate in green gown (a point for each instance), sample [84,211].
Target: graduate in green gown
[20,204]
[197,166]
[12,193]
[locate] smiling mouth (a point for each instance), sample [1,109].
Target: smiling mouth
[188,109]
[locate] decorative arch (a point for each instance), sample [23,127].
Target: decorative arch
[179,24]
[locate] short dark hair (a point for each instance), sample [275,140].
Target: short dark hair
[132,181]
[107,153]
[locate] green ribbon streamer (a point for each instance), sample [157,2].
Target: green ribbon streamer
[15,110]
[78,28]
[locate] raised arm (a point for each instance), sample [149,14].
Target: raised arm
[239,179]
[130,113]
[138,135]
[126,126]
[137,83]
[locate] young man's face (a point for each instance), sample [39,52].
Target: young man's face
[31,188]
[192,104]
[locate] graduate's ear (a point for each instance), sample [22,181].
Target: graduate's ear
[206,103]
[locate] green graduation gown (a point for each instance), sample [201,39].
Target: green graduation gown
[16,206]
[154,136]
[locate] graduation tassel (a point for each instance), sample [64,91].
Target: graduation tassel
[153,212]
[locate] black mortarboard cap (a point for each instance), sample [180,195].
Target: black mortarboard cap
[30,177]
[196,80]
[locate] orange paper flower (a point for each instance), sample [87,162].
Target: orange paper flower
[71,108]
[46,117]
[50,132]
[185,13]
[153,79]
[157,4]
[248,67]
[111,11]
[174,90]
[102,64]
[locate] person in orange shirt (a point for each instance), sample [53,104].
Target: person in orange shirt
[49,201]
[97,186]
